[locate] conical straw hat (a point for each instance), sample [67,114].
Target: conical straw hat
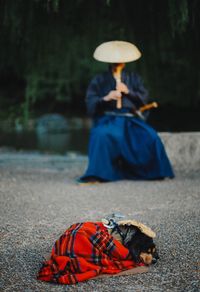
[116,52]
[143,228]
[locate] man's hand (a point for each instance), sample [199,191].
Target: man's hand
[122,88]
[112,95]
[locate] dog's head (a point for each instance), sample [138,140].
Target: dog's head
[137,237]
[141,247]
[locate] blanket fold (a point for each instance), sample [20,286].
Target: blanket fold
[84,251]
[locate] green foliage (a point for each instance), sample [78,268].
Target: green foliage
[56,4]
[179,16]
[49,44]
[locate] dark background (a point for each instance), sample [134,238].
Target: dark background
[46,49]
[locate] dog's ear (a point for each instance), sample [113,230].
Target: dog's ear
[129,232]
[131,242]
[134,252]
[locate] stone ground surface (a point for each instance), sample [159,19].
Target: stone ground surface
[39,199]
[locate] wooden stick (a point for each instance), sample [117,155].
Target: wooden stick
[117,76]
[148,106]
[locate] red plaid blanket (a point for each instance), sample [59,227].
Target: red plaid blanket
[84,251]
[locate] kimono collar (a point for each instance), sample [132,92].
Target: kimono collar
[112,79]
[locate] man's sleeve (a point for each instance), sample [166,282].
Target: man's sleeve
[94,100]
[137,93]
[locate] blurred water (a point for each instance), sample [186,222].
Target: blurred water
[55,135]
[75,140]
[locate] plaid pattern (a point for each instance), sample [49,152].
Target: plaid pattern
[84,251]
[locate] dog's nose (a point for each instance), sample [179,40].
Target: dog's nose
[154,260]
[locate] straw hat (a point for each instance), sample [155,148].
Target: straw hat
[116,52]
[143,228]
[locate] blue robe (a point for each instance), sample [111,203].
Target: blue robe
[122,146]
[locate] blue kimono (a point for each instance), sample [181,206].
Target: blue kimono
[122,146]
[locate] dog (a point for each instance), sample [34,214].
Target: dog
[137,237]
[90,249]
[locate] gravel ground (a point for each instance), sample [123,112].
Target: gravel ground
[39,199]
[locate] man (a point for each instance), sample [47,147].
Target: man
[122,145]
